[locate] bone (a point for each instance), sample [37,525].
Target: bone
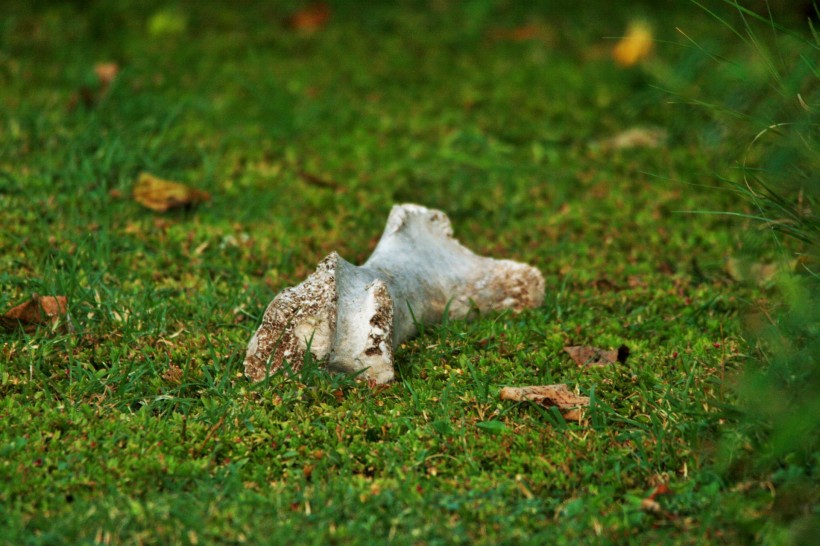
[354,317]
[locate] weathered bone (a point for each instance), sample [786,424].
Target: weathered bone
[355,317]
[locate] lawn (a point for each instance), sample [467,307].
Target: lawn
[129,421]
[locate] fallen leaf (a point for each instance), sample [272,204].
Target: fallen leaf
[635,282]
[591,356]
[760,274]
[650,505]
[559,396]
[106,72]
[310,19]
[531,32]
[89,97]
[636,137]
[160,195]
[37,311]
[167,22]
[660,489]
[635,46]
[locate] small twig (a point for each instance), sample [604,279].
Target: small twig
[315,180]
[211,432]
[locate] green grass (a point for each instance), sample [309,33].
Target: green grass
[390,102]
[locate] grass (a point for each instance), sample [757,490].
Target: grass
[138,426]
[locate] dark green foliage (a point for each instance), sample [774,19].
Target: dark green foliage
[775,435]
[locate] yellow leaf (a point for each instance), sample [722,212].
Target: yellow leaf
[635,46]
[160,195]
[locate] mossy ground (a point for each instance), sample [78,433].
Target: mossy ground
[138,427]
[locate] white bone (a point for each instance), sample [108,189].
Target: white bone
[355,317]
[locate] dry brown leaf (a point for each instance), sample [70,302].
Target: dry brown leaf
[559,396]
[592,356]
[160,195]
[660,489]
[310,19]
[636,137]
[89,97]
[38,311]
[635,46]
[106,72]
[531,32]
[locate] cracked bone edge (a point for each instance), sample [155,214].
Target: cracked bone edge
[354,317]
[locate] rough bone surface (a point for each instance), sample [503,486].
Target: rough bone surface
[354,317]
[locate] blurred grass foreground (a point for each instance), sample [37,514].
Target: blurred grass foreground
[167,167]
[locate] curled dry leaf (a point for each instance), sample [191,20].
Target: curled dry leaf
[591,356]
[311,18]
[635,46]
[559,396]
[636,137]
[38,311]
[160,195]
